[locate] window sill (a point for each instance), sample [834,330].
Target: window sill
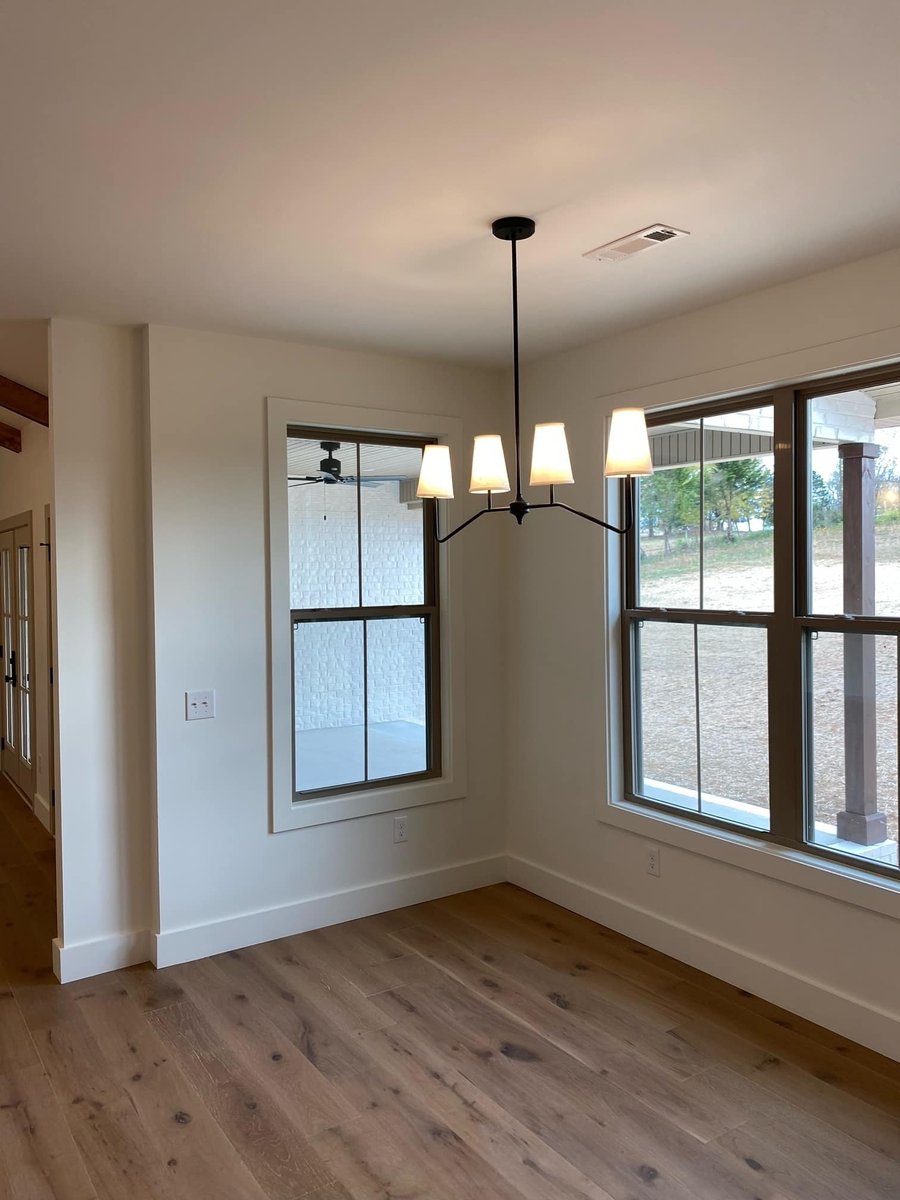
[846,883]
[301,814]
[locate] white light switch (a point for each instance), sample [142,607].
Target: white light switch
[199,705]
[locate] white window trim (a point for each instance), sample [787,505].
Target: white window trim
[286,812]
[849,884]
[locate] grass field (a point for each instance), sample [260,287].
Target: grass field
[732,670]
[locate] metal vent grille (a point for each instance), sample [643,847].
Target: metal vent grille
[635,243]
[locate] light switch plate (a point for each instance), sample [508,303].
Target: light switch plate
[199,706]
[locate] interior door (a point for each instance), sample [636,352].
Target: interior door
[16,659]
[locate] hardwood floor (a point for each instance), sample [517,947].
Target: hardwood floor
[489,1045]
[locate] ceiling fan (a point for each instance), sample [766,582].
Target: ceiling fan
[330,468]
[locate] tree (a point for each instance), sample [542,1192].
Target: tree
[826,503]
[887,484]
[670,502]
[737,491]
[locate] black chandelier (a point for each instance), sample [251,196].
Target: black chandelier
[628,451]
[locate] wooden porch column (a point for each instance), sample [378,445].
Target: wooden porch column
[860,822]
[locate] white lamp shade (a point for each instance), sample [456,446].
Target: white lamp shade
[550,456]
[435,474]
[628,449]
[488,465]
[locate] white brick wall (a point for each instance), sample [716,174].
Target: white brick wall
[328,673]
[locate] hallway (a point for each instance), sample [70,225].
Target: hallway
[27,890]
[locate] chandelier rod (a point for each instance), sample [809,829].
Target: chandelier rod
[515,317]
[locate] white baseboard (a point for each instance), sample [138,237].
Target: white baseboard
[43,812]
[84,959]
[846,1014]
[837,1010]
[248,929]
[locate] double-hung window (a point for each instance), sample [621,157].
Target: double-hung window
[364,613]
[761,618]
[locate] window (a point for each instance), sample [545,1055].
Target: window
[364,613]
[761,616]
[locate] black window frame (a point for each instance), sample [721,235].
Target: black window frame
[429,612]
[790,625]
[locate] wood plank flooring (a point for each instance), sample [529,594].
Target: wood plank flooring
[489,1045]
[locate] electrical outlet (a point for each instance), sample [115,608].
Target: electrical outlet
[653,860]
[199,706]
[401,831]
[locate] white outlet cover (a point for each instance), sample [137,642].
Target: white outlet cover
[199,706]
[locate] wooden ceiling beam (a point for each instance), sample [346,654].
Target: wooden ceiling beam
[18,398]
[10,438]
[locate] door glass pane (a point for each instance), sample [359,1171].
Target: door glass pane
[323,523]
[734,734]
[6,610]
[25,725]
[23,665]
[854,501]
[667,759]
[397,700]
[24,580]
[393,544]
[329,704]
[852,696]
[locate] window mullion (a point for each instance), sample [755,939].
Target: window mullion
[697,713]
[785,647]
[359,536]
[702,510]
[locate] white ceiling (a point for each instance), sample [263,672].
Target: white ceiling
[328,170]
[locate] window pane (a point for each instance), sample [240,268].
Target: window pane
[397,703]
[667,759]
[724,559]
[393,563]
[734,733]
[738,524]
[853,720]
[669,507]
[329,704]
[854,501]
[323,525]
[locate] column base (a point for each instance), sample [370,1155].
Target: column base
[863,828]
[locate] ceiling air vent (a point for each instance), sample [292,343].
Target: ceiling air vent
[634,243]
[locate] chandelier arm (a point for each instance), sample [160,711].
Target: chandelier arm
[585,516]
[629,510]
[453,532]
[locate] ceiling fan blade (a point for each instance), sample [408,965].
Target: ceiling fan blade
[373,479]
[325,477]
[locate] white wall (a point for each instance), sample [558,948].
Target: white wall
[100,554]
[825,956]
[25,487]
[222,873]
